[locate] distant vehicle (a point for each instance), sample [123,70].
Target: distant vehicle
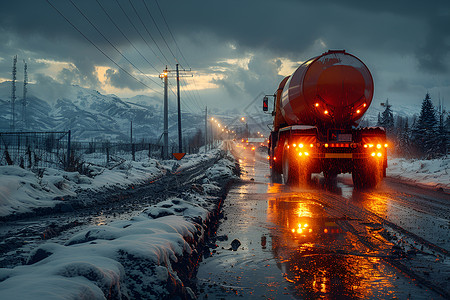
[316,113]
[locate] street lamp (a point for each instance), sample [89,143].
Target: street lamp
[247,133]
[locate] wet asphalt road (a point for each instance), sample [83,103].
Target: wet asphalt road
[328,241]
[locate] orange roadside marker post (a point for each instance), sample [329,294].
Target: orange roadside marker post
[178,156]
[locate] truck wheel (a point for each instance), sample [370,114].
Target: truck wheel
[304,174]
[290,169]
[367,174]
[358,181]
[330,176]
[275,177]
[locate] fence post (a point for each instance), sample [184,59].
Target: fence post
[68,151]
[133,151]
[107,154]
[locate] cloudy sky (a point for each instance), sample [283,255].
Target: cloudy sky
[237,50]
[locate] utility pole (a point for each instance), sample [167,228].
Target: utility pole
[131,132]
[206,127]
[13,94]
[166,115]
[180,145]
[24,103]
[166,72]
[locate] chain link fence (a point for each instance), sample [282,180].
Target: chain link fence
[33,150]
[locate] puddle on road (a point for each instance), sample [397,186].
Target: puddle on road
[291,247]
[319,259]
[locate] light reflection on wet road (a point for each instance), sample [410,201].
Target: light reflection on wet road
[323,242]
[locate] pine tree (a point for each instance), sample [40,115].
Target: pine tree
[447,131]
[405,139]
[379,120]
[425,130]
[398,133]
[442,133]
[387,119]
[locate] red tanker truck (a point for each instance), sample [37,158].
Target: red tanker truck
[315,127]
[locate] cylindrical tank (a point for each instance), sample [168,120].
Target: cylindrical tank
[333,88]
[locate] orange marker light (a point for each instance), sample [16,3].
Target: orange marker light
[317,104]
[326,112]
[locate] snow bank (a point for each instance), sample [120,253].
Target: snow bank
[127,259]
[22,191]
[433,173]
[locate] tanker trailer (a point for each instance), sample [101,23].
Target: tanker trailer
[315,127]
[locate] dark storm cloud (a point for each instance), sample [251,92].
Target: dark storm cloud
[260,77]
[212,31]
[33,29]
[435,50]
[290,27]
[120,79]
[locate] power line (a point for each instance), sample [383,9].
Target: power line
[157,27]
[190,95]
[95,27]
[190,100]
[124,35]
[132,24]
[145,27]
[160,11]
[106,55]
[176,44]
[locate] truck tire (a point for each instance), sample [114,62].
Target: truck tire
[367,173]
[330,176]
[290,168]
[275,177]
[304,173]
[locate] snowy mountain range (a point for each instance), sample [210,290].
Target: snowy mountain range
[90,114]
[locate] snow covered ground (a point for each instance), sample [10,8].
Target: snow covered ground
[22,190]
[433,173]
[126,259]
